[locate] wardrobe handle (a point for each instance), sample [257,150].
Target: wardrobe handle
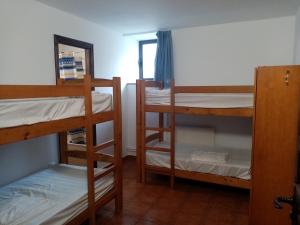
[279,200]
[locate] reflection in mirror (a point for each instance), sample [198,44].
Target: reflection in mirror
[72,63]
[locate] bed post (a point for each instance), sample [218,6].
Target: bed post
[118,142]
[138,130]
[161,121]
[143,131]
[89,148]
[63,139]
[172,138]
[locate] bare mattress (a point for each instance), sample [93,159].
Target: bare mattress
[191,158]
[19,112]
[52,196]
[201,100]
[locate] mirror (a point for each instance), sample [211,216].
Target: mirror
[73,60]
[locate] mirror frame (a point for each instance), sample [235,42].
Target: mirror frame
[88,47]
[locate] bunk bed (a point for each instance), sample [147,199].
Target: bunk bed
[158,155]
[61,194]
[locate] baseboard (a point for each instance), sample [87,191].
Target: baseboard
[131,151]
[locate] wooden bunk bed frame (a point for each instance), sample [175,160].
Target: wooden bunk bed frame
[142,139]
[93,152]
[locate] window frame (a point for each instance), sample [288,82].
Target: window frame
[140,62]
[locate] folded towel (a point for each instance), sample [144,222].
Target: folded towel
[220,157]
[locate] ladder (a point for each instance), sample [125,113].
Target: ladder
[158,133]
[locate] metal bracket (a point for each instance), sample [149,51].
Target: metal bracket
[286,78]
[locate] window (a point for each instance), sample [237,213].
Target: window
[147,52]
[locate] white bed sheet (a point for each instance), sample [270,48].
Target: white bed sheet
[52,196]
[18,112]
[237,165]
[202,100]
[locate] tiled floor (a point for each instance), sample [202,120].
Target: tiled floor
[189,203]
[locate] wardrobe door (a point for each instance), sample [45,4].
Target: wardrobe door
[275,142]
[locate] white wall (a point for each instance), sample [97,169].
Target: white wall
[27,57]
[227,54]
[297,38]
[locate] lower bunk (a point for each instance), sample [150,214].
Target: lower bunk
[218,165]
[56,195]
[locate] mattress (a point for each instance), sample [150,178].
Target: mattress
[201,100]
[18,112]
[237,165]
[52,196]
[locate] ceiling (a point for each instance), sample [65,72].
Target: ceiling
[139,16]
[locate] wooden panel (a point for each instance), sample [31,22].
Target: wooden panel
[214,89]
[13,134]
[239,112]
[215,179]
[275,142]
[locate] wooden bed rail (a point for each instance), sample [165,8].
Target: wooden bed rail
[214,89]
[95,82]
[200,89]
[152,83]
[65,88]
[38,91]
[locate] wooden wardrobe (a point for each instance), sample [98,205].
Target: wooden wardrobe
[275,142]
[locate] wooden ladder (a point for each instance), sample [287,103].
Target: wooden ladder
[158,135]
[95,152]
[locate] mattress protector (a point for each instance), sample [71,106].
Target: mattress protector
[19,112]
[156,96]
[52,196]
[237,165]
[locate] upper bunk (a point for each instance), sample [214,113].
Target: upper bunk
[198,100]
[29,111]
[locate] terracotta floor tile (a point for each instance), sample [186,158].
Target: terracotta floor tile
[188,219]
[189,203]
[165,216]
[148,222]
[136,208]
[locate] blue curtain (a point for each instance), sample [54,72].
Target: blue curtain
[164,58]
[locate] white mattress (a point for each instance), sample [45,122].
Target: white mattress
[18,112]
[202,100]
[237,165]
[52,196]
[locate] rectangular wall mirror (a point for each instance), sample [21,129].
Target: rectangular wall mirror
[74,59]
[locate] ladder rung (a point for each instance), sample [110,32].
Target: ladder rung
[159,149]
[167,129]
[103,145]
[103,157]
[104,173]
